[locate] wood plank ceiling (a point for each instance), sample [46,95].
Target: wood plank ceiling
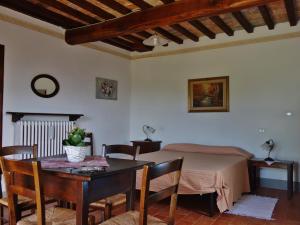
[70,14]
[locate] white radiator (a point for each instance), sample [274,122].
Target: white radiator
[48,135]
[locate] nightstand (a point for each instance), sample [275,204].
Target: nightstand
[255,164]
[147,146]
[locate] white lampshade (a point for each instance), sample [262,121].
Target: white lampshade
[155,40]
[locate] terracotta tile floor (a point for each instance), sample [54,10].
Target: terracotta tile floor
[287,212]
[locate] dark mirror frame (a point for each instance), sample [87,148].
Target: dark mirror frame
[48,77]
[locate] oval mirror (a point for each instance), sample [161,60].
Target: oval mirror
[44,85]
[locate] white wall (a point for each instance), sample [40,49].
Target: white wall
[28,53]
[264,84]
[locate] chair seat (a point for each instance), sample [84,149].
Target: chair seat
[21,201]
[25,202]
[54,216]
[131,218]
[114,200]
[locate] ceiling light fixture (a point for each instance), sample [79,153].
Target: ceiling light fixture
[155,40]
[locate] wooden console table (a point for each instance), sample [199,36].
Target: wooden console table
[255,164]
[147,146]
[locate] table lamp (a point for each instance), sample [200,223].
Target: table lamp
[148,131]
[268,146]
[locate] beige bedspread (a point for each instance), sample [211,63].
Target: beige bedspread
[206,169]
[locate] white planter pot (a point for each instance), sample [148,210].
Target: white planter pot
[75,153]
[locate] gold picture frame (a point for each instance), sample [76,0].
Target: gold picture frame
[208,94]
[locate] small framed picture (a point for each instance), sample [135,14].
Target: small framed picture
[106,89]
[208,94]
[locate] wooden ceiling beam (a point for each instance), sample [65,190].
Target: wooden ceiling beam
[185,32]
[168,35]
[203,29]
[145,5]
[180,28]
[93,9]
[265,13]
[123,10]
[111,42]
[40,13]
[243,21]
[163,15]
[123,42]
[195,24]
[103,14]
[291,12]
[144,34]
[115,6]
[133,38]
[72,12]
[141,4]
[167,1]
[134,46]
[138,41]
[222,25]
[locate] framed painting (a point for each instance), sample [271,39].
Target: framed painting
[208,94]
[106,89]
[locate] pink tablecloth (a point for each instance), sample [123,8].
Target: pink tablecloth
[90,161]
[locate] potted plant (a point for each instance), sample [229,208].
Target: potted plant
[74,146]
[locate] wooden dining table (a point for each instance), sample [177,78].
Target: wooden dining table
[84,187]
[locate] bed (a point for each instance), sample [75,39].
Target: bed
[206,169]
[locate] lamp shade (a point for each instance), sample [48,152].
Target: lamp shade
[268,146]
[155,40]
[148,131]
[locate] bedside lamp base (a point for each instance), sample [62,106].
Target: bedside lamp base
[269,159]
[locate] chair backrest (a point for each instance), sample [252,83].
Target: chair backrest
[24,151]
[11,168]
[90,141]
[19,150]
[153,172]
[121,149]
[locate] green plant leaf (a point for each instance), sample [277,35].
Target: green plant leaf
[66,142]
[76,139]
[81,144]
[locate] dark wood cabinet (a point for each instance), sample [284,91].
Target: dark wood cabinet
[147,146]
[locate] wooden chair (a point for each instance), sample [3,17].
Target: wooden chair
[23,202]
[142,217]
[90,141]
[10,169]
[121,149]
[109,203]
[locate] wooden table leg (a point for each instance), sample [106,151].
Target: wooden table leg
[82,205]
[253,178]
[290,180]
[130,195]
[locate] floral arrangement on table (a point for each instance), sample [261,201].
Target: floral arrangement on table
[75,146]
